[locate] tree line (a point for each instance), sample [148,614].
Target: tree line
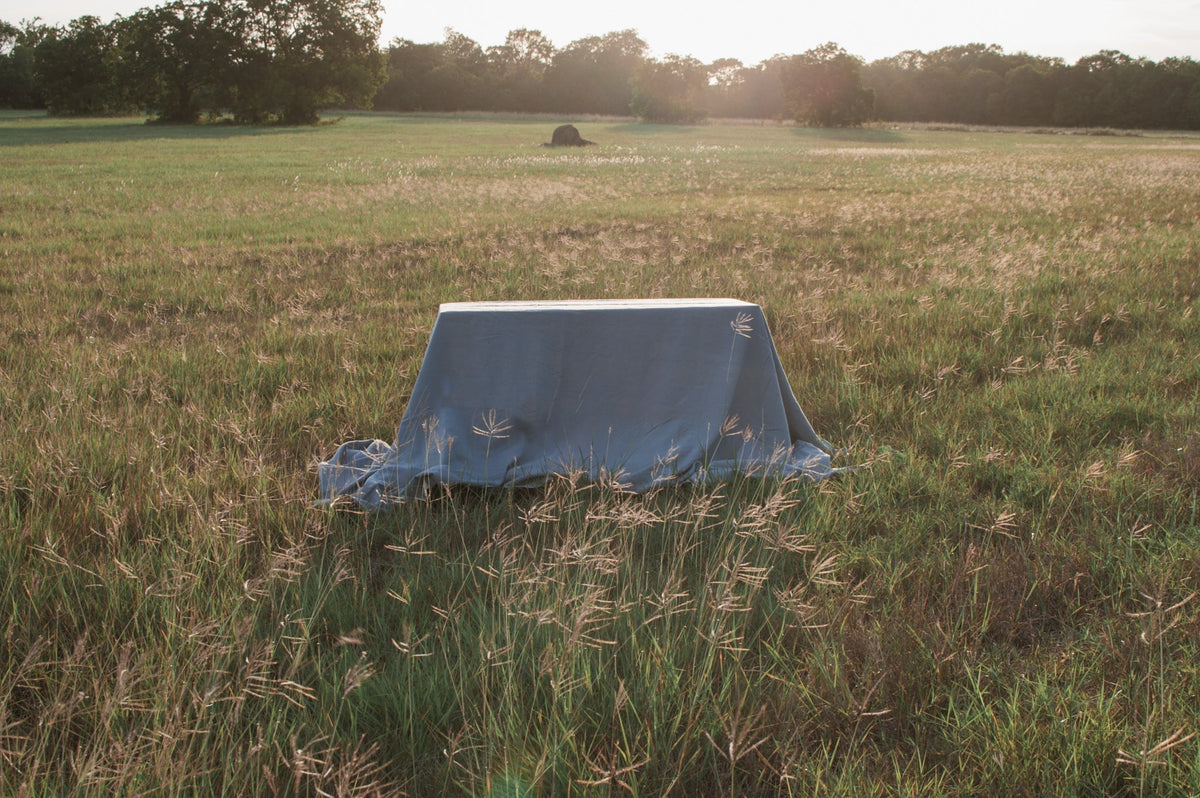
[253,60]
[286,60]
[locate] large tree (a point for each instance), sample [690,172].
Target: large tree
[460,80]
[262,60]
[175,56]
[408,86]
[751,92]
[824,88]
[295,57]
[670,90]
[18,85]
[593,74]
[519,69]
[75,68]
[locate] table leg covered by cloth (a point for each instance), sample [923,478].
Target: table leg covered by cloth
[630,393]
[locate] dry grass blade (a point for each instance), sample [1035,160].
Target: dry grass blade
[1150,756]
[493,427]
[741,325]
[822,569]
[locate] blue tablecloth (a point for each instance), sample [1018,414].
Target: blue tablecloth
[634,394]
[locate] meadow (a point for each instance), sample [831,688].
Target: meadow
[999,325]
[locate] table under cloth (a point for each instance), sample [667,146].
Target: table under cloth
[634,394]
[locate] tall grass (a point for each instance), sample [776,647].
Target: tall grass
[1001,325]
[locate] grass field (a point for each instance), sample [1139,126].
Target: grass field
[1000,324]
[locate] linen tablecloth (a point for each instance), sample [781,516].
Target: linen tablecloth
[635,394]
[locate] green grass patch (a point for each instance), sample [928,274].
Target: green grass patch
[1001,326]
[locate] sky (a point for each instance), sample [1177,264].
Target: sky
[754,30]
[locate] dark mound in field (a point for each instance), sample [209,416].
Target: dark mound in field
[567,136]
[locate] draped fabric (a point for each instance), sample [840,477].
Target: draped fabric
[635,394]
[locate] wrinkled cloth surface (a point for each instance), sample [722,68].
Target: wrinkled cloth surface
[633,394]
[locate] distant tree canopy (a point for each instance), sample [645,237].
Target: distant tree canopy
[981,84]
[259,60]
[670,90]
[595,74]
[826,86]
[823,87]
[526,73]
[286,60]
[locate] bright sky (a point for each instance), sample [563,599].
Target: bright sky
[754,30]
